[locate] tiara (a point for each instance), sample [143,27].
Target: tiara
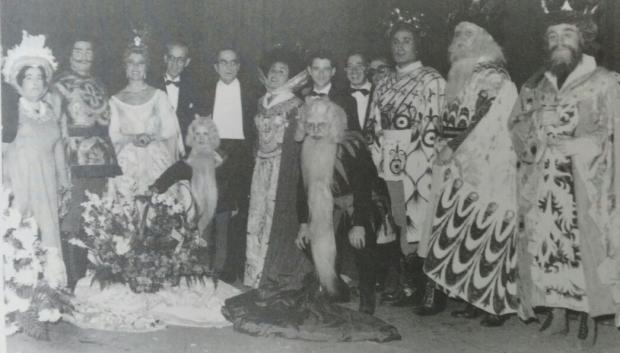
[32,47]
[585,7]
[140,36]
[402,16]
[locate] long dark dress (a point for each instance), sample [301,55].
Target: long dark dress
[272,257]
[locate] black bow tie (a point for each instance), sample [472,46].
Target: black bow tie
[317,94]
[168,82]
[363,91]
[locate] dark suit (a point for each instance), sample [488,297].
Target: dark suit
[234,177]
[188,101]
[344,100]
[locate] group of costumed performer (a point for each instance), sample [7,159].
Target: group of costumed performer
[336,209]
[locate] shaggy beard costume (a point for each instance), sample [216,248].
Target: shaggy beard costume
[307,313]
[203,185]
[199,169]
[318,157]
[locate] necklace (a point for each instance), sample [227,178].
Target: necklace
[34,110]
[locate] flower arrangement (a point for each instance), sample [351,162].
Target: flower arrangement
[30,303]
[143,243]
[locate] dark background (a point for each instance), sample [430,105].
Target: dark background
[252,26]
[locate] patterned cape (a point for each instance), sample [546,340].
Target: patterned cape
[593,98]
[471,252]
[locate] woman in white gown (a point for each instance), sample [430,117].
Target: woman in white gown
[144,129]
[146,136]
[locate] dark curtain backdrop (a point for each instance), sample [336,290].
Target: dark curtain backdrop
[252,26]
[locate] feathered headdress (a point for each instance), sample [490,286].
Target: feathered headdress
[399,17]
[30,52]
[487,14]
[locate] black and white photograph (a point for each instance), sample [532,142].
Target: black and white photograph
[324,176]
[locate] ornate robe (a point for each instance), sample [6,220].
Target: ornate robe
[569,248]
[472,247]
[271,254]
[401,130]
[87,115]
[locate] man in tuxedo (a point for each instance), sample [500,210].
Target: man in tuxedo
[321,68]
[361,89]
[182,91]
[233,106]
[359,86]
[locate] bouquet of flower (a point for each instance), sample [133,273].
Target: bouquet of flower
[30,303]
[144,242]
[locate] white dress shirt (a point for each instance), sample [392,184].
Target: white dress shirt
[227,110]
[325,90]
[362,102]
[173,92]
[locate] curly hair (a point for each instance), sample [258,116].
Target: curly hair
[280,54]
[214,137]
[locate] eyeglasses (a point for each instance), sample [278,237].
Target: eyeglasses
[381,69]
[176,59]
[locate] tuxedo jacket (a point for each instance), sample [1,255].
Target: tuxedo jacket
[372,90]
[189,100]
[344,99]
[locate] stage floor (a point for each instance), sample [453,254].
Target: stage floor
[441,333]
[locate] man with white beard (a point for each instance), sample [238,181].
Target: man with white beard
[471,251]
[563,129]
[338,199]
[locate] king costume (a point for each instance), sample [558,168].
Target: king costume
[569,249]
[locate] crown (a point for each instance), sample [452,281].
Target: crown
[584,7]
[402,16]
[31,50]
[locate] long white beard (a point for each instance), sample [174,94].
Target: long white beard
[317,159]
[460,73]
[203,185]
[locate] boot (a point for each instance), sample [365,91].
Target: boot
[435,301]
[367,300]
[491,320]
[588,331]
[556,323]
[415,282]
